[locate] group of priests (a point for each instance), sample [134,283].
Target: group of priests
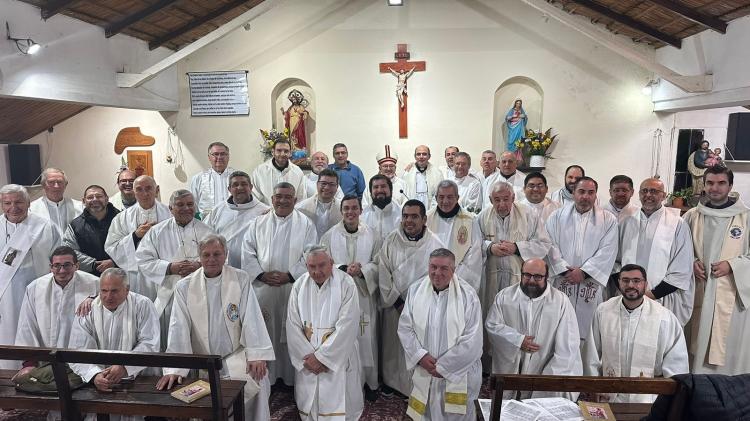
[413,283]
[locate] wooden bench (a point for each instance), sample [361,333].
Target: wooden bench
[623,411]
[138,398]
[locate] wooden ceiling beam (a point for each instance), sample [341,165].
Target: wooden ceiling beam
[54,7]
[158,42]
[117,27]
[693,15]
[630,22]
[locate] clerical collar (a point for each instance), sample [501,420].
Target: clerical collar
[356,228]
[630,310]
[382,203]
[421,169]
[127,202]
[417,237]
[273,162]
[729,203]
[450,214]
[50,201]
[231,201]
[507,176]
[212,279]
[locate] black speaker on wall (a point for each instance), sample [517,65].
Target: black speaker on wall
[738,137]
[25,164]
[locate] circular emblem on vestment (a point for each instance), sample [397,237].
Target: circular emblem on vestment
[735,232]
[463,235]
[233,312]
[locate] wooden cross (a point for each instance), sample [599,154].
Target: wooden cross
[402,69]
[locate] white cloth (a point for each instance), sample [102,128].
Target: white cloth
[550,319]
[562,196]
[621,344]
[266,176]
[116,201]
[48,310]
[587,241]
[516,180]
[273,243]
[401,263]
[323,320]
[361,247]
[228,322]
[232,221]
[311,186]
[120,244]
[210,188]
[469,192]
[397,192]
[323,215]
[58,214]
[422,186]
[542,209]
[32,242]
[452,334]
[661,244]
[461,235]
[629,210]
[382,221]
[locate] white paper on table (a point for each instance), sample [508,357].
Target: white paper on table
[485,405]
[562,409]
[513,410]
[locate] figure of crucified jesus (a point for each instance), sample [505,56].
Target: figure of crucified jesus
[401,75]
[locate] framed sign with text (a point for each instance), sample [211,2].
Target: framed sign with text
[218,93]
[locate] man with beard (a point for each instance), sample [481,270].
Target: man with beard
[128,229]
[53,205]
[387,167]
[383,215]
[87,233]
[564,195]
[403,261]
[276,170]
[422,179]
[583,252]
[533,330]
[208,186]
[323,209]
[719,333]
[458,231]
[634,336]
[232,217]
[318,162]
[656,238]
[469,187]
[125,196]
[620,192]
[535,192]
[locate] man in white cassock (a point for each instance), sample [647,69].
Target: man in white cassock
[354,247]
[469,186]
[321,329]
[402,261]
[323,209]
[422,178]
[511,233]
[533,330]
[634,336]
[53,205]
[387,167]
[125,196]
[209,186]
[458,231]
[657,238]
[620,193]
[583,252]
[215,311]
[276,170]
[441,332]
[535,192]
[719,329]
[509,173]
[272,256]
[318,162]
[119,320]
[128,229]
[564,195]
[450,161]
[26,242]
[382,215]
[169,252]
[232,217]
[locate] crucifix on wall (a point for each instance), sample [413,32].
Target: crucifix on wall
[402,69]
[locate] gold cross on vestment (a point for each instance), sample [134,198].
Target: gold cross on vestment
[362,325]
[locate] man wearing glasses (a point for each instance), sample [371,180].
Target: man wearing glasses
[634,336]
[657,239]
[209,186]
[533,330]
[125,197]
[323,209]
[53,205]
[535,196]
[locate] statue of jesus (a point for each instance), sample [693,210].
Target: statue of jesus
[401,75]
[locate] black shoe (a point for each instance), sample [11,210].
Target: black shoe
[370,395]
[387,391]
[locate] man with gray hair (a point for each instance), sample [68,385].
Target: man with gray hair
[469,185]
[53,205]
[321,330]
[318,162]
[169,252]
[128,229]
[215,312]
[119,320]
[209,186]
[26,242]
[272,256]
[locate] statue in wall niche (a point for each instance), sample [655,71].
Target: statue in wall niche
[516,120]
[295,118]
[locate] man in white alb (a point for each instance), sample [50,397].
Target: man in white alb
[209,186]
[422,178]
[277,169]
[535,196]
[53,205]
[450,160]
[387,161]
[564,195]
[318,162]
[620,192]
[323,209]
[383,215]
[469,186]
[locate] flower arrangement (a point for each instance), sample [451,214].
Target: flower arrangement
[536,143]
[269,139]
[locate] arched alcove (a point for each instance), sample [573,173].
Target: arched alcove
[518,87]
[280,102]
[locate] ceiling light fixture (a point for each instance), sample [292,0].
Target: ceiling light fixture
[650,86]
[395,2]
[24,45]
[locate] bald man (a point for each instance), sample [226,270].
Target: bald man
[422,178]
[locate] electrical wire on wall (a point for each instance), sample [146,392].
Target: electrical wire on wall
[656,154]
[174,149]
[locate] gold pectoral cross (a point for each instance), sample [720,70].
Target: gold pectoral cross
[362,325]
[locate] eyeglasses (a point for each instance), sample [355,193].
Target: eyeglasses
[651,191]
[94,196]
[58,266]
[219,154]
[327,184]
[535,186]
[126,180]
[526,276]
[634,281]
